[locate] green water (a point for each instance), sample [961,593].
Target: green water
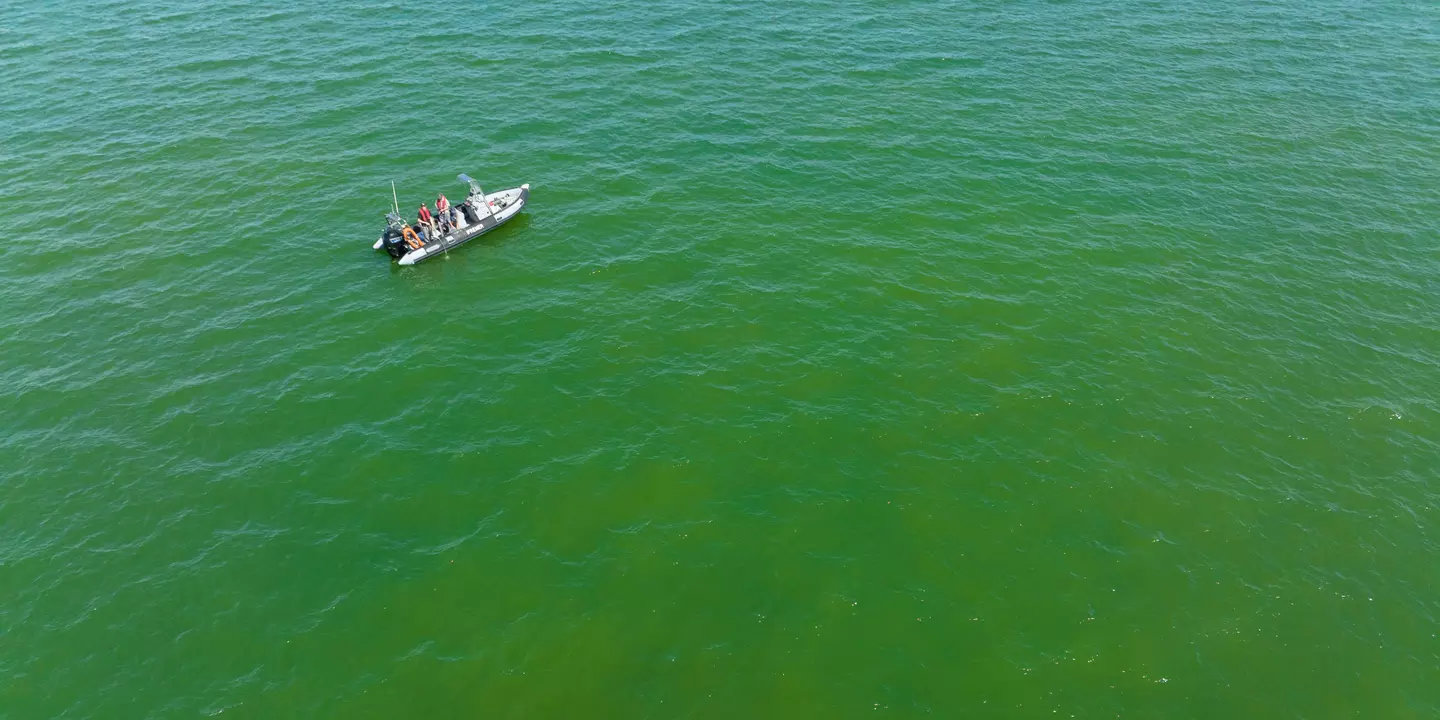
[983,359]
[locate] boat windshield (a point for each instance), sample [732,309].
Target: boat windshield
[474,186]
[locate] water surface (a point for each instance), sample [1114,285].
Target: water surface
[984,359]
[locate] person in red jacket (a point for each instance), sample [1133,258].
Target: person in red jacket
[442,205]
[427,219]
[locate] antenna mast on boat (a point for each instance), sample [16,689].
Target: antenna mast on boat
[394,197]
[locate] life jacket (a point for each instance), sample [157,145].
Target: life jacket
[442,204]
[425,214]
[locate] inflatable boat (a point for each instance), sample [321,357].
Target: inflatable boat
[479,214]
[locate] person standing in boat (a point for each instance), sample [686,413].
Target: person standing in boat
[426,219]
[442,209]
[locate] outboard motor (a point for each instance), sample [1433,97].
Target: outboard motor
[395,245]
[394,238]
